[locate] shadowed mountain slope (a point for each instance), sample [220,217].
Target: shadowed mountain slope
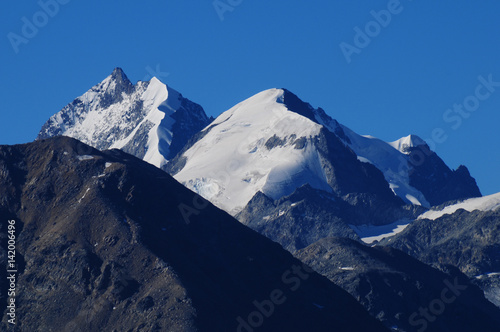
[108,242]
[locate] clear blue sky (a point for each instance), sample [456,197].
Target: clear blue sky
[426,59]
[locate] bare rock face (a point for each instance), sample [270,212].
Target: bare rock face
[439,184]
[468,240]
[404,293]
[308,215]
[107,242]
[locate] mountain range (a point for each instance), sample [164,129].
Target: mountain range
[280,167]
[154,123]
[271,144]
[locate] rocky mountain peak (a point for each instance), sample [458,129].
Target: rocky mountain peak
[148,119]
[119,75]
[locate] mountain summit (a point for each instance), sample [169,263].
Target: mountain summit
[274,142]
[148,119]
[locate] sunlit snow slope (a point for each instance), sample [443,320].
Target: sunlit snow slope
[253,147]
[486,203]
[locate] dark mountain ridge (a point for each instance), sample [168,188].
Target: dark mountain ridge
[122,246]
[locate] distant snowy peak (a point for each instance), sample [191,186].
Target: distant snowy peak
[486,203]
[405,143]
[391,159]
[148,119]
[414,172]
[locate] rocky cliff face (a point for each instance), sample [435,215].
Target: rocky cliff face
[467,240]
[308,215]
[404,293]
[107,242]
[439,184]
[297,220]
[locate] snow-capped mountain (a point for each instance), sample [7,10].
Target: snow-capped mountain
[263,144]
[284,169]
[257,145]
[148,119]
[273,143]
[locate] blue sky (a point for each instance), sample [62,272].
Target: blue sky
[404,72]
